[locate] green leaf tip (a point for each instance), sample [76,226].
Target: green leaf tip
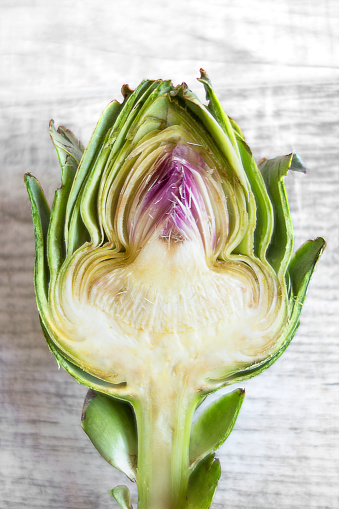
[278,167]
[204,77]
[297,164]
[203,483]
[68,148]
[122,496]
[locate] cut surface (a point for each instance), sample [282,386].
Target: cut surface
[169,309]
[166,302]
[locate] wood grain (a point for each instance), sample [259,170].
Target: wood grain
[275,67]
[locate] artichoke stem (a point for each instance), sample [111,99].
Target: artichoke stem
[164,426]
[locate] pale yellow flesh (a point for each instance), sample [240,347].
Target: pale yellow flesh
[169,312]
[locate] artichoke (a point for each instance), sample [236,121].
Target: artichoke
[164,271]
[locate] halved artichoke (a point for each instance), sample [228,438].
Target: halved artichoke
[165,269]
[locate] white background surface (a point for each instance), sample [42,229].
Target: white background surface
[274,66]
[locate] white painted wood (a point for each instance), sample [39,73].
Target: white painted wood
[275,67]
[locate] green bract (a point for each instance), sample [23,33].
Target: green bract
[164,271]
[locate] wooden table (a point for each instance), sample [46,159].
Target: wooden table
[274,66]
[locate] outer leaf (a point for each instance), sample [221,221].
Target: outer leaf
[122,496]
[203,483]
[214,425]
[302,265]
[69,151]
[260,231]
[111,426]
[41,216]
[281,246]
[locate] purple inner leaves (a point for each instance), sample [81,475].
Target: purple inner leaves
[173,203]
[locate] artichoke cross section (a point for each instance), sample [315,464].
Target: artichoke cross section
[165,269]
